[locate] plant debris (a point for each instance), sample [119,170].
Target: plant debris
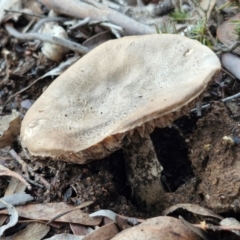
[199,154]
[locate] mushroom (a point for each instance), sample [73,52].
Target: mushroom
[113,98]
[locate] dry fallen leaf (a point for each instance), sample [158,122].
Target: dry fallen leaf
[34,231]
[105,232]
[9,128]
[13,217]
[231,222]
[79,229]
[47,211]
[16,199]
[7,172]
[231,62]
[226,32]
[65,236]
[193,208]
[97,39]
[7,5]
[158,228]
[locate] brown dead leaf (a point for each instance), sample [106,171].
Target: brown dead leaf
[13,217]
[79,229]
[34,231]
[97,39]
[8,5]
[7,172]
[193,208]
[9,128]
[65,236]
[226,32]
[46,212]
[158,228]
[16,199]
[33,5]
[106,232]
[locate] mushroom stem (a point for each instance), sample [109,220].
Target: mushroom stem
[143,171]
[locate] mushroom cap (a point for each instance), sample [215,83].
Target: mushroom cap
[136,82]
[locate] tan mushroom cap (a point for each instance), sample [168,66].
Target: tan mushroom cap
[133,82]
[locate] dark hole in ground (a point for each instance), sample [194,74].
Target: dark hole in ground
[172,152]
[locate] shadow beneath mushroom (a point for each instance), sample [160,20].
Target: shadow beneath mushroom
[172,152]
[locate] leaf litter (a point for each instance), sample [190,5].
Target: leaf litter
[200,165]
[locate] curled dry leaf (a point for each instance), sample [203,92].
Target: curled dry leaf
[105,232]
[231,222]
[104,213]
[7,172]
[197,230]
[34,231]
[193,208]
[83,205]
[226,32]
[158,228]
[12,219]
[79,229]
[231,62]
[65,236]
[47,211]
[16,199]
[9,128]
[8,5]
[33,5]
[97,39]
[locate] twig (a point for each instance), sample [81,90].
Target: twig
[25,13]
[45,38]
[114,28]
[25,167]
[97,11]
[39,24]
[33,182]
[80,23]
[227,49]
[223,100]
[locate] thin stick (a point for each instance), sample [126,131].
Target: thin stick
[80,23]
[45,38]
[27,169]
[39,24]
[25,13]
[228,49]
[223,100]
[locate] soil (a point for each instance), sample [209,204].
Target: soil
[200,166]
[200,155]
